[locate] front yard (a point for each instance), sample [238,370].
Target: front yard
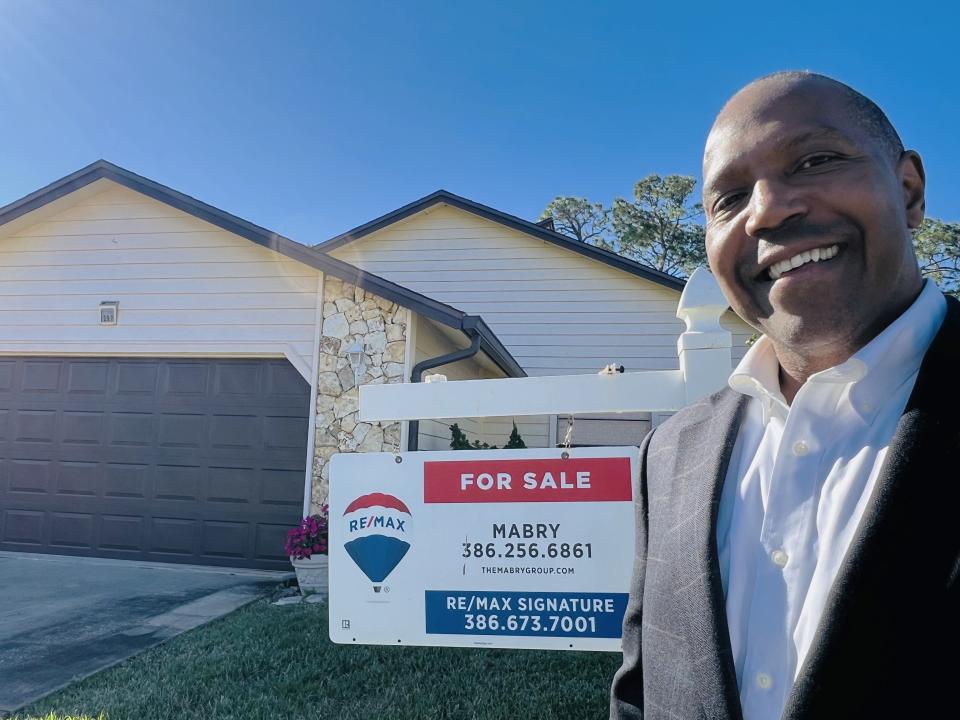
[274,662]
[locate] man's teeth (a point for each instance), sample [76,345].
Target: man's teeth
[815,255]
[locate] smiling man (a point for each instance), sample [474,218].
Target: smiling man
[798,543]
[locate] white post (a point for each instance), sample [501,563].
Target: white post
[705,346]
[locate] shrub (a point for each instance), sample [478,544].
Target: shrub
[459,441]
[310,537]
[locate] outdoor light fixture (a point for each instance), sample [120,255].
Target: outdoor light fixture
[355,356]
[108,312]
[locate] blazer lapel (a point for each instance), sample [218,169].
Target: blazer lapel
[705,448]
[906,537]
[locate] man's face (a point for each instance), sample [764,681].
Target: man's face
[808,217]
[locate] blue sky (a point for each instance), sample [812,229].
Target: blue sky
[310,118]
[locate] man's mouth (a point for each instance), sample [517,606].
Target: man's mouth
[776,270]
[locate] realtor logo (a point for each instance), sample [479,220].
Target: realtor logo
[377,530]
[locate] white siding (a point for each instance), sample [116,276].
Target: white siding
[557,312]
[183,285]
[435,434]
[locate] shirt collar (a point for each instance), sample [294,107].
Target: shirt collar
[873,372]
[758,375]
[894,356]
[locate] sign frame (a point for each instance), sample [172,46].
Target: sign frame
[530,555]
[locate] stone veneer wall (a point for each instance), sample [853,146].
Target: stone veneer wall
[350,313]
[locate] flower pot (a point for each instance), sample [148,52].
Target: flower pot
[312,574]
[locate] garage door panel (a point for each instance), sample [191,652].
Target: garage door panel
[78,479]
[173,536]
[235,432]
[125,481]
[269,541]
[282,433]
[29,475]
[238,380]
[132,429]
[283,381]
[232,485]
[82,427]
[182,430]
[225,539]
[136,379]
[281,487]
[178,483]
[121,533]
[35,426]
[181,460]
[184,380]
[71,530]
[24,527]
[7,368]
[40,377]
[87,378]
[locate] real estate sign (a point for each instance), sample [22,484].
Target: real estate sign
[500,548]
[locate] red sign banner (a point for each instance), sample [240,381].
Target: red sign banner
[554,480]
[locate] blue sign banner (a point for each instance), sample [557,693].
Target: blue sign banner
[542,614]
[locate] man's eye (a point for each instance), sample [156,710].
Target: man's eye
[727,201]
[815,160]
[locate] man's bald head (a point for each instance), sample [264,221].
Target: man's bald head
[798,164]
[863,111]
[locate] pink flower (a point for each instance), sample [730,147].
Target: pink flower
[310,536]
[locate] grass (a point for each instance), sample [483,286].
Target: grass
[54,716]
[274,662]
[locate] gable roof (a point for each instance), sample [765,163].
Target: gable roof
[512,221]
[445,314]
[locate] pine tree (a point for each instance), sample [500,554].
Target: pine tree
[458,438]
[459,441]
[515,441]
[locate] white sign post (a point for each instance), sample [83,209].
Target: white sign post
[704,359]
[500,548]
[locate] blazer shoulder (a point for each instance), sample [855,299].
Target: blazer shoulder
[706,408]
[945,346]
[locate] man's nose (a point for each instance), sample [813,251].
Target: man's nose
[771,204]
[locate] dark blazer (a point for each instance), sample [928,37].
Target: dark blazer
[888,643]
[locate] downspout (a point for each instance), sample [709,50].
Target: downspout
[413,435]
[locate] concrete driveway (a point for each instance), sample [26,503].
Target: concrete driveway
[62,618]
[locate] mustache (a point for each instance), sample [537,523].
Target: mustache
[798,229]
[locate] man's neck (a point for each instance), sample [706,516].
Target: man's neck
[799,362]
[795,370]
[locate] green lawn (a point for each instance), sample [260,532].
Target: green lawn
[277,662]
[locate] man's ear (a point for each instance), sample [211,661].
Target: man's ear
[913,180]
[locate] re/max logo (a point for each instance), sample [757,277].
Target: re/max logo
[377,521]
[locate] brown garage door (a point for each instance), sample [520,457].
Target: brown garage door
[175,460]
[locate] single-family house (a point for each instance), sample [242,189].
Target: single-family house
[174,379]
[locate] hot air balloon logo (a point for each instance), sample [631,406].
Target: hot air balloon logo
[377,528]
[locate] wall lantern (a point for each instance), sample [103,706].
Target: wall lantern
[108,312]
[355,356]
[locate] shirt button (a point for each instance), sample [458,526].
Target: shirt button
[764,681]
[779,558]
[800,448]
[866,407]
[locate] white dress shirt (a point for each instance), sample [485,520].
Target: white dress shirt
[799,479]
